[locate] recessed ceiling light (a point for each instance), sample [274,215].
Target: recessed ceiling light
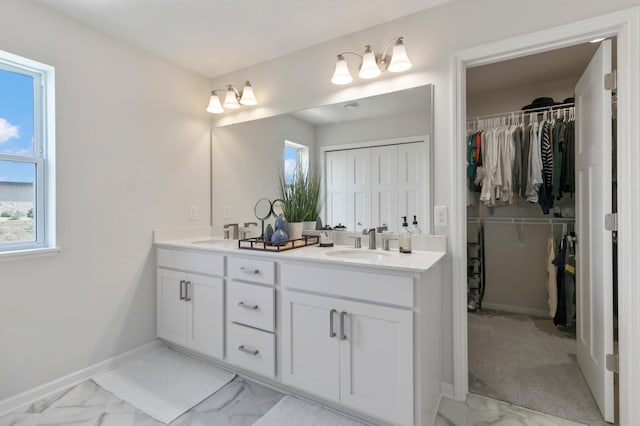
[597,40]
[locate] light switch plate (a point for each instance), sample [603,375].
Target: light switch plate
[227,212]
[193,212]
[440,216]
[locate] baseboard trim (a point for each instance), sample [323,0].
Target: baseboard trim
[517,310]
[42,391]
[446,389]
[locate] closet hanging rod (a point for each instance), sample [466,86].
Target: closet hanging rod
[523,220]
[552,108]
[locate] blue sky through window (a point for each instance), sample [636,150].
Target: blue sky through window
[16,124]
[290,158]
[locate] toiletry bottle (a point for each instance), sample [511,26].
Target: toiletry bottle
[404,238]
[414,227]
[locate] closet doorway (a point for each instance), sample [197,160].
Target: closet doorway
[540,295]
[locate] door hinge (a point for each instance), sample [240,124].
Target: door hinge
[613,363]
[611,222]
[610,81]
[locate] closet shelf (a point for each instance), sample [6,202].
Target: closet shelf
[522,220]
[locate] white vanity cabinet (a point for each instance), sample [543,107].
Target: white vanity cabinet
[251,339]
[190,306]
[359,353]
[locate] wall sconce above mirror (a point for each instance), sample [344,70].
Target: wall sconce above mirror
[233,98]
[372,66]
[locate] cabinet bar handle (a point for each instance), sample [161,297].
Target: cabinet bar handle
[342,335]
[254,352]
[188,296]
[249,270]
[244,305]
[331,314]
[181,289]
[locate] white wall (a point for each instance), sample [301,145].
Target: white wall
[412,123]
[247,159]
[132,155]
[301,80]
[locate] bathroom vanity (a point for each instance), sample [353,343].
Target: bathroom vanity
[355,329]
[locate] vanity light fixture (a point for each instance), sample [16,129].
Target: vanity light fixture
[233,98]
[372,66]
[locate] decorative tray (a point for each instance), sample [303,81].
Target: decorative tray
[258,243]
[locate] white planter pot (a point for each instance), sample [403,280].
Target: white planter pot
[295,230]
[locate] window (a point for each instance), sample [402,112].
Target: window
[26,154]
[294,153]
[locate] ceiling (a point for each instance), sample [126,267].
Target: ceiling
[214,37]
[559,64]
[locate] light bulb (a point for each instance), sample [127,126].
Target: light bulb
[369,67]
[341,75]
[214,104]
[399,59]
[248,97]
[230,100]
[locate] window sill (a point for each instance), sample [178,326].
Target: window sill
[28,253]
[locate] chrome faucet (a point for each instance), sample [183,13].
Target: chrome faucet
[234,230]
[372,237]
[246,231]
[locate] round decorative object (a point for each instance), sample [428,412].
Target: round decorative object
[262,209]
[279,237]
[268,232]
[276,207]
[281,223]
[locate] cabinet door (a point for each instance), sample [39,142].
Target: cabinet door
[376,361]
[336,180]
[205,298]
[412,181]
[171,310]
[384,187]
[359,189]
[309,346]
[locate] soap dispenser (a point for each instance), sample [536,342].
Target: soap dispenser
[404,238]
[414,227]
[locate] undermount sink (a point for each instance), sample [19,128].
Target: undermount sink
[358,254]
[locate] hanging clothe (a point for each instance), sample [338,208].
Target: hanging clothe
[552,277]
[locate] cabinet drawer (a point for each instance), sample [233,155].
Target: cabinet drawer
[251,349]
[192,261]
[251,305]
[374,287]
[247,269]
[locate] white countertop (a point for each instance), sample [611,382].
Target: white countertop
[416,261]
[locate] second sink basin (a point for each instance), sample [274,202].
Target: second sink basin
[358,254]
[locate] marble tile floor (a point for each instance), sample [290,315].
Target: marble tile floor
[239,403]
[479,410]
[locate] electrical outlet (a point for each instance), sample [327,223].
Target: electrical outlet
[440,216]
[193,212]
[227,212]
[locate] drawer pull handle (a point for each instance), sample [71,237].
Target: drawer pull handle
[187,296]
[182,289]
[244,305]
[342,335]
[331,314]
[253,352]
[249,270]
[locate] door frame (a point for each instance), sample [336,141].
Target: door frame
[625,25]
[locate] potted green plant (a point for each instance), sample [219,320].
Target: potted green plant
[300,195]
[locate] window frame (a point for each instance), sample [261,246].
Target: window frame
[302,152]
[42,156]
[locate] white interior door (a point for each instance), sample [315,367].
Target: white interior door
[594,275]
[336,179]
[412,182]
[359,189]
[384,187]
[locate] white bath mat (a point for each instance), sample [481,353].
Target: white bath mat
[164,383]
[295,412]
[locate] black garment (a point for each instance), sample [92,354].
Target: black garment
[545,193]
[517,170]
[561,311]
[567,177]
[524,163]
